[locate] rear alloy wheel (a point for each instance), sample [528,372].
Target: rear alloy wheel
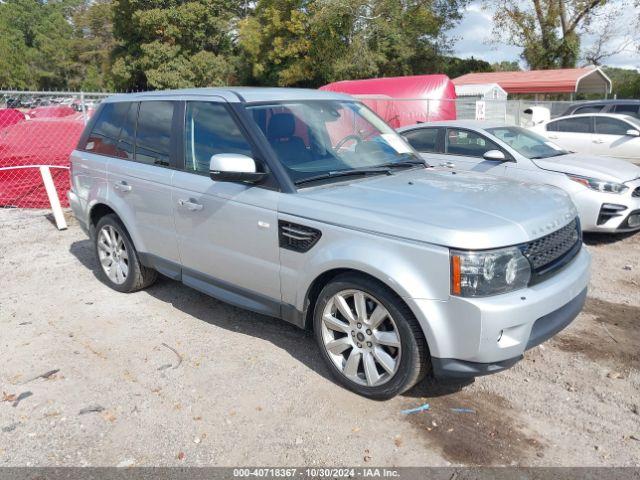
[369,337]
[120,265]
[112,253]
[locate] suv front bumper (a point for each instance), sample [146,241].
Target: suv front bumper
[469,337]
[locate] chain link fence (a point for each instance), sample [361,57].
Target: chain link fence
[38,131]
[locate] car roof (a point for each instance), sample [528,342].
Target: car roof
[233,94]
[619,116]
[472,124]
[606,102]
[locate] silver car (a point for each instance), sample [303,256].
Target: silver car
[606,191]
[304,205]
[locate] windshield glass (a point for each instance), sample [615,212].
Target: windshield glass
[527,143]
[314,138]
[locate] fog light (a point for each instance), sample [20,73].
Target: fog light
[634,220]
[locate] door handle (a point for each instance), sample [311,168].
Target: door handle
[122,186]
[448,164]
[553,137]
[190,205]
[598,141]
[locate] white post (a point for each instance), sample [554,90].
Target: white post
[84,108]
[61,223]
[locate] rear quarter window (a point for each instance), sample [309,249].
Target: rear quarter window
[104,135]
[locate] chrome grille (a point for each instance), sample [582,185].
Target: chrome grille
[550,250]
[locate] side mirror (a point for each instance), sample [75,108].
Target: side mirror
[494,156]
[234,167]
[633,133]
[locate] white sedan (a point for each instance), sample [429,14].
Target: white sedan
[606,191]
[608,134]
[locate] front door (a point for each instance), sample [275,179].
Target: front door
[611,139]
[464,150]
[227,232]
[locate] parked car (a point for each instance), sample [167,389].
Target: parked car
[605,134]
[304,205]
[606,191]
[622,107]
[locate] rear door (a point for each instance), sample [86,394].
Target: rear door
[572,133]
[140,180]
[227,232]
[464,149]
[611,139]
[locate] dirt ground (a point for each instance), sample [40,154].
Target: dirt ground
[89,376]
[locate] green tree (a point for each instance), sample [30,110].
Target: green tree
[456,67]
[313,42]
[547,30]
[506,66]
[626,82]
[173,43]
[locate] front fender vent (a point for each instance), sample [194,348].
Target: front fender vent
[296,237]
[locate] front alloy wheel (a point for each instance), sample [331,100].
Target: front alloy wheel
[369,337]
[361,337]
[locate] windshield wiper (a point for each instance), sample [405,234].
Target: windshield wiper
[344,173]
[540,157]
[403,164]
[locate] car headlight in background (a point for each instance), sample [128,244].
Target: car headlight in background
[599,185]
[488,272]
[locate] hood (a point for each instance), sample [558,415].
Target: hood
[453,209]
[603,168]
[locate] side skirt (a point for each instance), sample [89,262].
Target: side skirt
[224,291]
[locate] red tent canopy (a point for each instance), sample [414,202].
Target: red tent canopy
[54,111]
[404,100]
[564,80]
[47,141]
[10,116]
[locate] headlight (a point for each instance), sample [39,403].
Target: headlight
[599,185]
[488,272]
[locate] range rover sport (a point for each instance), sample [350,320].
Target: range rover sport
[304,205]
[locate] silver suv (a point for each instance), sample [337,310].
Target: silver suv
[304,205]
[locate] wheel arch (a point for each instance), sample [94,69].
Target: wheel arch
[100,209]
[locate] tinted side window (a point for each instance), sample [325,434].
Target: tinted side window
[128,132]
[153,138]
[103,138]
[423,140]
[575,125]
[627,109]
[210,130]
[611,126]
[469,144]
[589,109]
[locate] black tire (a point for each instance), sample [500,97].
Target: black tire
[415,361]
[139,276]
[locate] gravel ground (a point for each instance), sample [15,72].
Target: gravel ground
[89,377]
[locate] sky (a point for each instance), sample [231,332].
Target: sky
[473,38]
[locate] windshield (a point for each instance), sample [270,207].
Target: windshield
[317,139]
[527,143]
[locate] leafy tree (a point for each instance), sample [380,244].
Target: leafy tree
[626,82]
[173,43]
[506,66]
[456,67]
[547,30]
[313,42]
